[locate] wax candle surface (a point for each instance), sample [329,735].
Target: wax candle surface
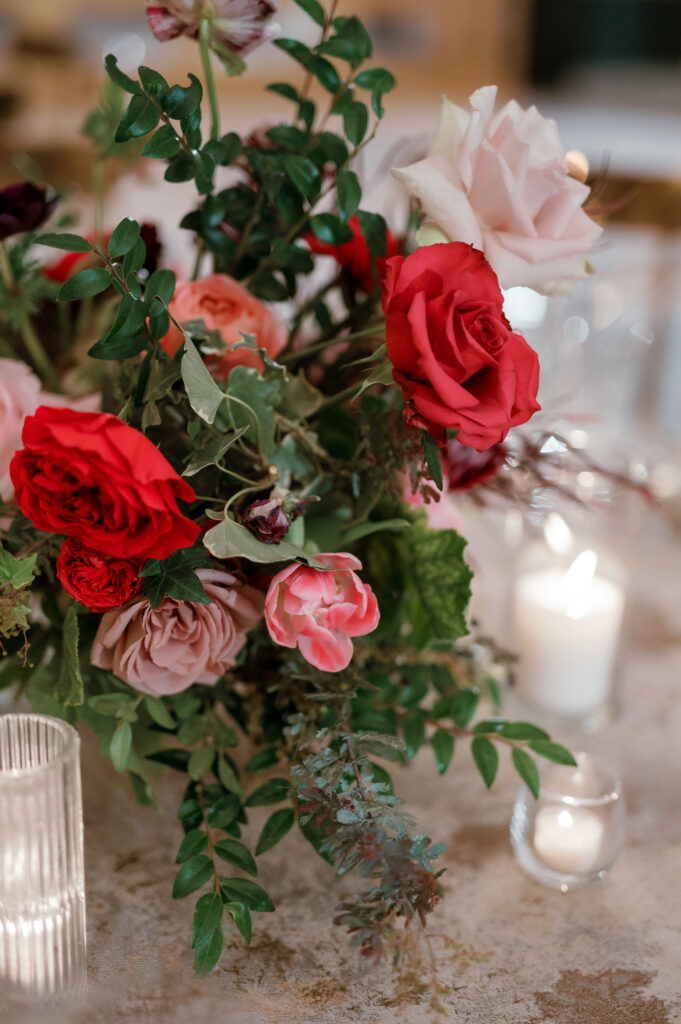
[567,645]
[568,839]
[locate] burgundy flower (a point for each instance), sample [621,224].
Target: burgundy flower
[235,25]
[465,467]
[98,581]
[267,520]
[23,207]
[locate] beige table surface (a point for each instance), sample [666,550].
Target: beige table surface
[608,953]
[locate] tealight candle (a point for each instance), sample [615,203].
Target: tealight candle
[568,839]
[567,626]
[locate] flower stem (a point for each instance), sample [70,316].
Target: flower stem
[319,346]
[204,45]
[32,342]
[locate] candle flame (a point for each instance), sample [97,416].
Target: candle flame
[578,579]
[565,819]
[557,534]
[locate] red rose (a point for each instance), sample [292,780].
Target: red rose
[465,468]
[454,354]
[96,580]
[93,477]
[355,257]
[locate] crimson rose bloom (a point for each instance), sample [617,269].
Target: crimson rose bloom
[23,207]
[465,468]
[93,477]
[354,256]
[454,354]
[96,580]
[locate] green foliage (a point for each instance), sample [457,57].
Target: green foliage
[527,770]
[438,588]
[274,829]
[176,577]
[486,759]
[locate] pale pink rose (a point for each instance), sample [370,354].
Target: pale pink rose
[226,307]
[20,395]
[500,182]
[165,650]
[236,25]
[442,514]
[319,611]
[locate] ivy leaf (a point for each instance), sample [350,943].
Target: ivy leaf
[243,890]
[486,758]
[212,453]
[82,285]
[238,854]
[552,752]
[271,792]
[527,770]
[349,193]
[194,842]
[192,875]
[121,746]
[442,743]
[274,829]
[232,540]
[431,454]
[70,689]
[241,916]
[252,401]
[16,571]
[176,577]
[205,397]
[439,584]
[71,243]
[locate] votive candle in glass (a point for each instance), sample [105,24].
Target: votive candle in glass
[42,889]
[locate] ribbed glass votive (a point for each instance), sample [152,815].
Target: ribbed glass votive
[42,888]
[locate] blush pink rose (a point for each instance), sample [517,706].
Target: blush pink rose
[165,650]
[226,307]
[500,182]
[319,611]
[20,395]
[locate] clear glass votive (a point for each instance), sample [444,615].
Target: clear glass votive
[573,832]
[42,886]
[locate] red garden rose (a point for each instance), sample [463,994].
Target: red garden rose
[98,581]
[354,256]
[454,354]
[93,477]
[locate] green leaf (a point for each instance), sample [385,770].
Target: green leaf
[82,285]
[224,811]
[378,81]
[431,454]
[205,397]
[438,584]
[252,401]
[349,193]
[237,854]
[526,769]
[264,758]
[71,243]
[159,712]
[228,777]
[351,30]
[160,285]
[207,916]
[194,842]
[243,890]
[176,577]
[271,792]
[521,731]
[322,69]
[486,758]
[192,875]
[180,168]
[552,752]
[330,148]
[123,237]
[303,173]
[70,688]
[313,9]
[110,703]
[232,540]
[330,229]
[209,950]
[274,829]
[414,732]
[241,916]
[200,762]
[355,122]
[463,707]
[16,571]
[163,144]
[121,746]
[118,77]
[213,452]
[153,82]
[442,743]
[183,100]
[140,118]
[374,230]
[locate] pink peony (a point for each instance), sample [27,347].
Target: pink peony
[500,182]
[226,307]
[318,611]
[20,395]
[165,650]
[236,25]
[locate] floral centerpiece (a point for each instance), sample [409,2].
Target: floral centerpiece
[221,545]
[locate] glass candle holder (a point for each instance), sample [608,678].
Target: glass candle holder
[573,832]
[42,888]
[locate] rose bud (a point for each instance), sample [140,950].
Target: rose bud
[465,467]
[23,207]
[267,520]
[236,26]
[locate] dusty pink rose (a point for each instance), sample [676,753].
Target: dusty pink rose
[500,182]
[165,650]
[235,25]
[20,395]
[226,307]
[319,611]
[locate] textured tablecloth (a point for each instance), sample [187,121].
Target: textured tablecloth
[608,953]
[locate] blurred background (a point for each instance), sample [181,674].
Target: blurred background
[607,70]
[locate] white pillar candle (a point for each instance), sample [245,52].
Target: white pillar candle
[567,626]
[568,839]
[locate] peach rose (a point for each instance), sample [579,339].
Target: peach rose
[225,306]
[500,183]
[319,611]
[20,395]
[165,650]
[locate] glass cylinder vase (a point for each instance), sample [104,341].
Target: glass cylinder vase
[42,888]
